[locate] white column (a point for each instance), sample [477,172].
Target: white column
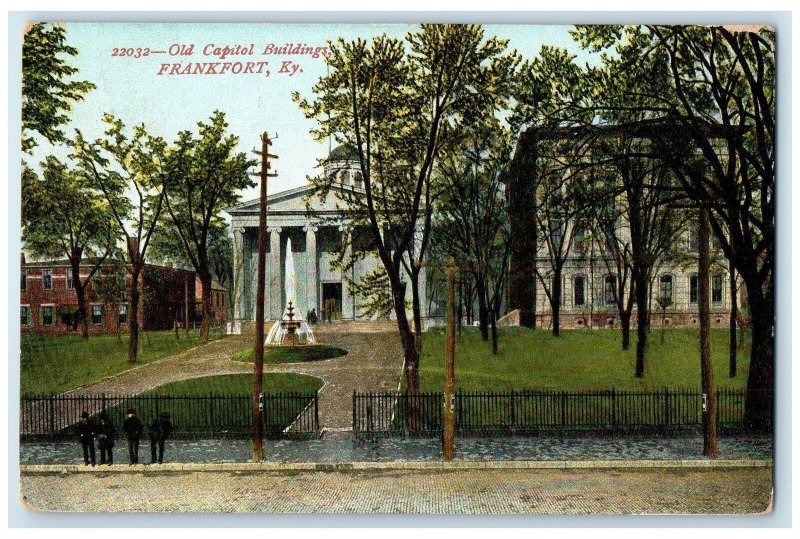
[347,273]
[240,282]
[274,281]
[312,285]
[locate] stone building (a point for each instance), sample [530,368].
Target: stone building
[316,229]
[589,287]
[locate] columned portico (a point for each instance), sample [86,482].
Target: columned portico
[238,269]
[348,308]
[274,276]
[317,230]
[312,280]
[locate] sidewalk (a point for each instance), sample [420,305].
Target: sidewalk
[344,447]
[654,490]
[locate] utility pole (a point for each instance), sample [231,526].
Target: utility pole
[186,304]
[710,446]
[258,364]
[448,442]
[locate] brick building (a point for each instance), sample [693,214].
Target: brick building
[219,301]
[49,304]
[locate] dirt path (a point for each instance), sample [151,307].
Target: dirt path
[373,363]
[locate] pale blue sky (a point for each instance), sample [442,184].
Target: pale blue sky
[131,89]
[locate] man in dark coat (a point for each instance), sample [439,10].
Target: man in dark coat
[86,434]
[105,438]
[133,431]
[160,429]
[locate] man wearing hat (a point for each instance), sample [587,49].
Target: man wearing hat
[133,431]
[86,434]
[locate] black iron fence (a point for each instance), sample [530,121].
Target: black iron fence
[193,416]
[546,411]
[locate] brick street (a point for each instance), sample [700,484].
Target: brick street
[687,490]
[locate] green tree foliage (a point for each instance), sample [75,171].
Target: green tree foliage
[48,91]
[110,284]
[130,170]
[63,215]
[398,103]
[720,95]
[471,223]
[206,175]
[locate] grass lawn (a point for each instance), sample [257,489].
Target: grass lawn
[577,360]
[292,354]
[222,404]
[58,363]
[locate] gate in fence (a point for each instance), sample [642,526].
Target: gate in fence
[544,412]
[288,415]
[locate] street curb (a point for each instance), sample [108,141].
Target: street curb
[33,469]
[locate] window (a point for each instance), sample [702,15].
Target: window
[579,290]
[97,314]
[555,238]
[358,179]
[70,283]
[48,316]
[693,290]
[694,237]
[23,282]
[665,289]
[24,316]
[610,290]
[47,279]
[123,313]
[716,288]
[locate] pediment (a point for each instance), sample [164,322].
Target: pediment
[292,201]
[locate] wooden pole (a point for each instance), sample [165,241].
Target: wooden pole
[448,442]
[186,303]
[258,364]
[709,404]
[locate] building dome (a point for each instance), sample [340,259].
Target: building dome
[342,163]
[343,152]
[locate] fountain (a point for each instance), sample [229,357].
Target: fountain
[290,331]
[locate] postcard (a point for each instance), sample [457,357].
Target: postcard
[397,268]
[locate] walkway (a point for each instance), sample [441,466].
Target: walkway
[616,491]
[373,363]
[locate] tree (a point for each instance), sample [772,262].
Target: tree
[205,176]
[398,103]
[470,222]
[48,92]
[63,215]
[131,172]
[720,97]
[110,284]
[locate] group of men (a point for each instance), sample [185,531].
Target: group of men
[103,430]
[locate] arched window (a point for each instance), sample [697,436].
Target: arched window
[693,289]
[579,290]
[610,290]
[665,289]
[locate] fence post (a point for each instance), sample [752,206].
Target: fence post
[513,412]
[613,409]
[103,401]
[316,412]
[52,415]
[354,411]
[563,410]
[666,409]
